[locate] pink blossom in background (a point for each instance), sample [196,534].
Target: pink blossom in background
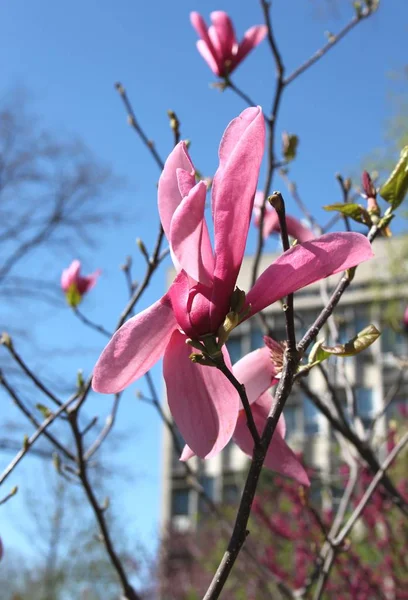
[218,44]
[271,222]
[256,371]
[75,285]
[203,403]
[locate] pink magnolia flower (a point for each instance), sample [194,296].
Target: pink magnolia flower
[257,372]
[271,222]
[218,45]
[75,285]
[204,404]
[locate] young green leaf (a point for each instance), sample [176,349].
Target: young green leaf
[396,186]
[357,344]
[355,211]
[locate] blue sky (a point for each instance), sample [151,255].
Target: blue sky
[69,55]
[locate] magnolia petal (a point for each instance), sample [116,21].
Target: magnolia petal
[203,403]
[233,192]
[256,372]
[306,263]
[294,227]
[189,238]
[210,57]
[225,32]
[134,348]
[84,284]
[279,458]
[263,406]
[251,39]
[169,195]
[201,28]
[70,275]
[186,454]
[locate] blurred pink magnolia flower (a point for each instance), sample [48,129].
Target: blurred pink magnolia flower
[256,371]
[75,285]
[271,222]
[405,319]
[203,403]
[218,44]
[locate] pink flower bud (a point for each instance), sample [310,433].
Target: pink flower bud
[368,186]
[75,285]
[371,194]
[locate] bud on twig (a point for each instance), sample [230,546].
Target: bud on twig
[142,248]
[5,340]
[119,87]
[174,122]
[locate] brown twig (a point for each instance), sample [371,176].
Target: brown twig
[196,485]
[7,342]
[128,591]
[90,323]
[109,423]
[231,85]
[134,123]
[40,431]
[244,399]
[337,539]
[334,39]
[13,395]
[240,532]
[271,128]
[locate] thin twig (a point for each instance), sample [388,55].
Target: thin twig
[128,591]
[371,488]
[12,393]
[271,128]
[244,399]
[8,343]
[278,203]
[240,532]
[90,323]
[134,123]
[196,485]
[40,431]
[334,39]
[9,495]
[336,539]
[231,85]
[345,189]
[362,447]
[109,423]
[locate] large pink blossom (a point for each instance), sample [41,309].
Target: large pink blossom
[218,44]
[76,285]
[256,371]
[271,222]
[204,404]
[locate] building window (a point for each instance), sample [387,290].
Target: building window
[234,346]
[208,487]
[257,339]
[393,342]
[311,417]
[291,412]
[230,493]
[180,501]
[364,400]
